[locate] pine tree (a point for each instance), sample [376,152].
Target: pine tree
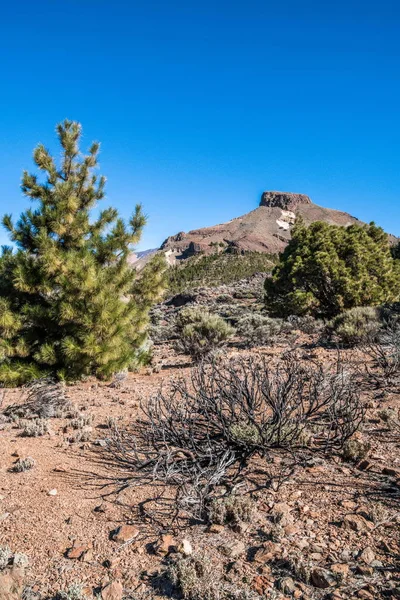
[326,269]
[70,303]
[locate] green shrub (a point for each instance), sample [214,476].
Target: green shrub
[71,305]
[231,509]
[200,332]
[326,269]
[355,449]
[258,330]
[355,326]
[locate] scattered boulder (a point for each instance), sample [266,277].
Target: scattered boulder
[185,548]
[77,551]
[165,545]
[367,555]
[112,591]
[233,549]
[286,585]
[355,522]
[322,578]
[125,533]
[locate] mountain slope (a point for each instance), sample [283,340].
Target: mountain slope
[265,229]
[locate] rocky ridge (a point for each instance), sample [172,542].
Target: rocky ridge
[265,229]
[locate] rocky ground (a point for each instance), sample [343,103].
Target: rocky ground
[331,530]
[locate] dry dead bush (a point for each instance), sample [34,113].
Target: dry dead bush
[201,435]
[45,399]
[384,353]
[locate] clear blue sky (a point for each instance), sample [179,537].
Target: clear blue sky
[200,106]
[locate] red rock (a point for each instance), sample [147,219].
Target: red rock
[365,595]
[322,578]
[261,585]
[364,465]
[367,555]
[112,591]
[214,528]
[165,545]
[125,533]
[266,553]
[355,522]
[77,551]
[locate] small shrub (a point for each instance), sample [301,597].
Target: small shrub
[202,434]
[385,355]
[74,592]
[23,464]
[231,509]
[223,299]
[200,332]
[46,399]
[162,332]
[306,324]
[355,449]
[392,418]
[81,421]
[355,326]
[197,578]
[29,594]
[82,435]
[35,428]
[258,330]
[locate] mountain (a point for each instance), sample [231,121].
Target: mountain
[265,229]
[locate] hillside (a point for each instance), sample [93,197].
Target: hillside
[265,229]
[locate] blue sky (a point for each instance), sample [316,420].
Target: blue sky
[200,106]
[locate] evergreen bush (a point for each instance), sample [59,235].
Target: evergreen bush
[326,269]
[70,303]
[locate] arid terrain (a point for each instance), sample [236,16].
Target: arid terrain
[327,527]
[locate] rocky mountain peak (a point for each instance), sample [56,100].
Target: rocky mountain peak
[284,200]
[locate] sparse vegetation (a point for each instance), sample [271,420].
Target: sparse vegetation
[384,352]
[200,333]
[45,399]
[35,428]
[74,592]
[216,269]
[231,509]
